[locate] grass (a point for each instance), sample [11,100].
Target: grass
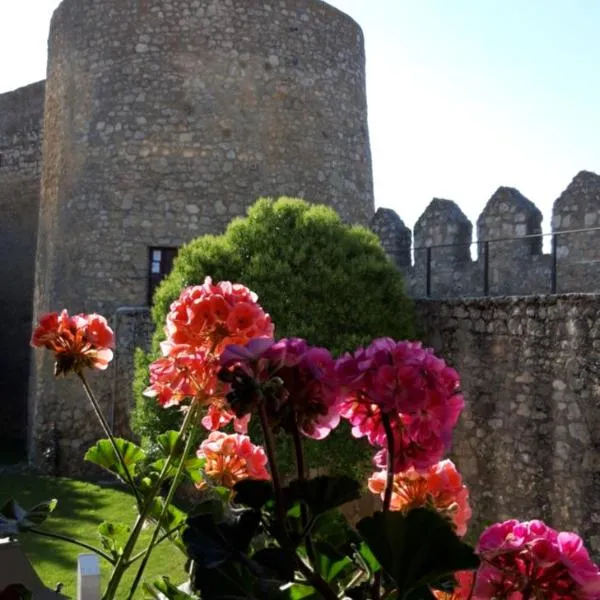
[81,508]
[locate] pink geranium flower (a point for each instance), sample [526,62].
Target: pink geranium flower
[231,458]
[295,382]
[531,560]
[80,341]
[183,373]
[413,388]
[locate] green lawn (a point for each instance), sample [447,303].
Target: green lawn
[81,508]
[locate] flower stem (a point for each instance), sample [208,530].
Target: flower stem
[110,436]
[389,483]
[389,486]
[313,578]
[160,540]
[168,500]
[124,561]
[270,449]
[70,540]
[301,470]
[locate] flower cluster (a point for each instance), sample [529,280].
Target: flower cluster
[79,341]
[440,487]
[531,560]
[201,323]
[295,382]
[231,458]
[212,316]
[412,388]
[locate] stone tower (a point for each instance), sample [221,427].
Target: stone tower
[164,119]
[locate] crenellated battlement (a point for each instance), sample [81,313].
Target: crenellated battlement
[440,258]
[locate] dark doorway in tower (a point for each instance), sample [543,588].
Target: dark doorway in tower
[160,263]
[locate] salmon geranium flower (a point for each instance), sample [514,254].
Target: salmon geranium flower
[212,316]
[440,487]
[231,458]
[79,341]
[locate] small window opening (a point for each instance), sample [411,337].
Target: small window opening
[160,263]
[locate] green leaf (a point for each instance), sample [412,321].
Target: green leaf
[14,519]
[330,562]
[303,592]
[168,442]
[164,586]
[114,537]
[172,518]
[192,467]
[253,493]
[323,493]
[369,558]
[103,455]
[416,549]
[210,544]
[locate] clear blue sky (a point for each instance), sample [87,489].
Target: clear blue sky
[464,95]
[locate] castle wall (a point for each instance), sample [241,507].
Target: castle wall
[527,441]
[21,114]
[163,121]
[514,266]
[529,366]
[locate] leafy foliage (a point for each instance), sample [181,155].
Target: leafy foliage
[104,455]
[15,519]
[417,549]
[318,278]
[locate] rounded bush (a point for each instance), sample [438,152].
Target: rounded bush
[318,278]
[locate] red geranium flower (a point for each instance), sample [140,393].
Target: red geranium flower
[77,342]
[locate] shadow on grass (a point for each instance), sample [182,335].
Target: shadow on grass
[81,508]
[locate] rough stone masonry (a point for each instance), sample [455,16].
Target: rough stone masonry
[163,120]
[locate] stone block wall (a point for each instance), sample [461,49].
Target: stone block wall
[515,266]
[163,121]
[528,441]
[21,115]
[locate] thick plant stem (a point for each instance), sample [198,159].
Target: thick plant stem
[168,500]
[124,559]
[65,538]
[301,470]
[314,578]
[110,436]
[389,487]
[389,483]
[270,449]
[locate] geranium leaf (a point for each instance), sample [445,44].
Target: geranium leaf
[168,442]
[103,455]
[14,519]
[113,537]
[162,587]
[210,544]
[330,562]
[192,467]
[323,493]
[253,493]
[416,549]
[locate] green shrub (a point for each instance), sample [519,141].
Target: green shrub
[319,279]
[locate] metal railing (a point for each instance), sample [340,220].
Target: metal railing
[483,247]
